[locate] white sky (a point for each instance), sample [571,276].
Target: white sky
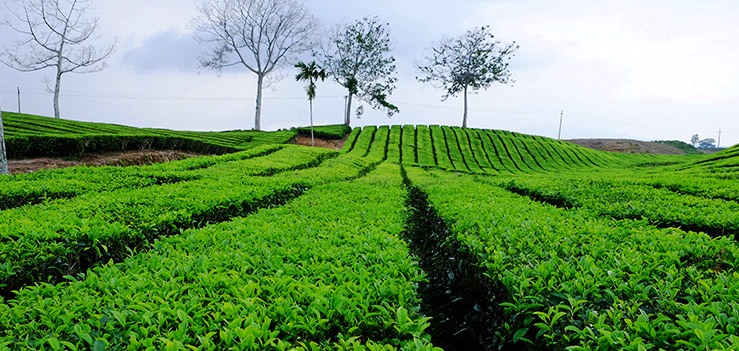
[647,70]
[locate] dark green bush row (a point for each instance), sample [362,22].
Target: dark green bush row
[65,237]
[621,200]
[408,147]
[331,132]
[464,144]
[571,280]
[73,145]
[321,273]
[28,136]
[424,146]
[43,185]
[351,140]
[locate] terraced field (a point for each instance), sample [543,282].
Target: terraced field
[30,136]
[410,238]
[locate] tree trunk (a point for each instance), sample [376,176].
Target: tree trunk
[57,88]
[312,142]
[348,112]
[3,155]
[464,119]
[258,112]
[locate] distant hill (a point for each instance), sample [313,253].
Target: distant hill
[628,146]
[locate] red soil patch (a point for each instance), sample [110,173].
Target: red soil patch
[131,158]
[628,146]
[325,143]
[125,158]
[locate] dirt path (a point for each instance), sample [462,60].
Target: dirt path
[131,158]
[125,158]
[325,143]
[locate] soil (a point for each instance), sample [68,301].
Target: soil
[131,158]
[125,158]
[628,146]
[325,143]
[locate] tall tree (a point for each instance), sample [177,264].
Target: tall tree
[358,56]
[472,61]
[55,34]
[312,73]
[695,140]
[261,35]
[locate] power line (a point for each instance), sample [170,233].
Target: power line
[167,97]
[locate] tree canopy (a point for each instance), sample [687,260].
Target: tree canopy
[312,73]
[261,35]
[54,34]
[470,62]
[358,56]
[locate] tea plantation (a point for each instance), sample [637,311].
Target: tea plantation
[409,238]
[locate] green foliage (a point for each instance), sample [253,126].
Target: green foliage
[331,132]
[68,235]
[471,61]
[683,146]
[408,146]
[319,273]
[424,146]
[358,56]
[499,152]
[575,280]
[624,200]
[44,185]
[312,73]
[283,247]
[31,136]
[351,140]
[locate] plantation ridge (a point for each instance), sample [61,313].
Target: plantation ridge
[408,238]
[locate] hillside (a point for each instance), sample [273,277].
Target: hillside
[37,142]
[491,151]
[409,238]
[32,136]
[631,146]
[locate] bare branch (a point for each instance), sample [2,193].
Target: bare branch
[467,63]
[56,34]
[261,35]
[357,56]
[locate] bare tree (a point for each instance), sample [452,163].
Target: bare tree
[261,35]
[472,61]
[357,56]
[55,34]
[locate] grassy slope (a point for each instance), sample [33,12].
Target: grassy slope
[29,135]
[467,163]
[502,152]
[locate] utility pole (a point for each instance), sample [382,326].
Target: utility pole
[561,116]
[346,111]
[719,139]
[3,155]
[19,99]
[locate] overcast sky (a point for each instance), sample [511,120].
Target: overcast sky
[646,70]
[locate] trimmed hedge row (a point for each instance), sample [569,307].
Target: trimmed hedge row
[73,145]
[570,280]
[321,273]
[331,132]
[44,243]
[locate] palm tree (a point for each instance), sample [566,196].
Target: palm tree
[312,73]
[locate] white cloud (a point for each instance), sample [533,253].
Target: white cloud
[647,70]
